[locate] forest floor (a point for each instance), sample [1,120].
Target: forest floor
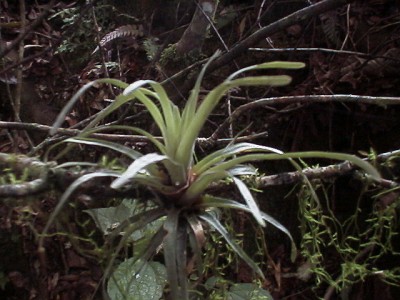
[353,49]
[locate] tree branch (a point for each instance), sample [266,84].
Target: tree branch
[292,19]
[381,101]
[46,175]
[201,142]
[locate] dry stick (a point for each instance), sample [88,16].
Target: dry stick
[17,100]
[202,142]
[73,132]
[382,101]
[292,19]
[57,138]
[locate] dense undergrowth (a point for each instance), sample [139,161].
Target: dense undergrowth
[140,207]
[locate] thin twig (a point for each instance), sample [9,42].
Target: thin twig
[17,98]
[201,142]
[292,19]
[381,101]
[326,50]
[243,46]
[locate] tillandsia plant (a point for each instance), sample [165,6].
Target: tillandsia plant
[182,204]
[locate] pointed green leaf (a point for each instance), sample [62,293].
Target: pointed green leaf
[137,166]
[191,105]
[269,65]
[277,80]
[212,201]
[196,240]
[231,150]
[214,222]
[68,193]
[242,170]
[251,203]
[172,256]
[106,144]
[67,108]
[200,185]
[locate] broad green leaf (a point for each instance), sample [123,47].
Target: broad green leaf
[137,280]
[150,243]
[137,220]
[108,218]
[144,249]
[127,212]
[247,291]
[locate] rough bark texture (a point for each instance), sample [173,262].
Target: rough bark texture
[193,38]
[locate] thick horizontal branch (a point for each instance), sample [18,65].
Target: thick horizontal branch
[24,189]
[62,178]
[323,173]
[38,170]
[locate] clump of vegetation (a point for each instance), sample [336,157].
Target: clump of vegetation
[360,239]
[182,210]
